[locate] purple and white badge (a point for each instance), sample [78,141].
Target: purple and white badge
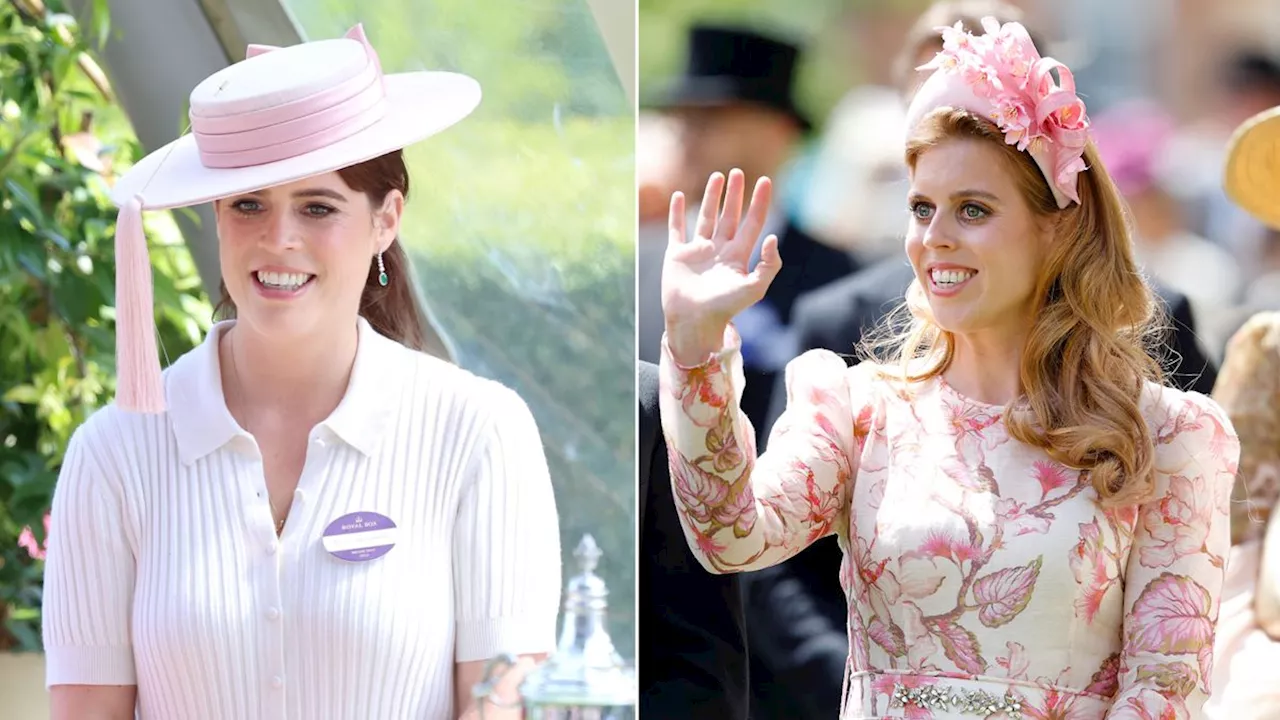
[361,536]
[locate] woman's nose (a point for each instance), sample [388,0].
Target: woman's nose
[281,231]
[938,235]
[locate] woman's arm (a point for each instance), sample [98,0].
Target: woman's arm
[88,586]
[506,693]
[506,553]
[1176,566]
[741,512]
[92,702]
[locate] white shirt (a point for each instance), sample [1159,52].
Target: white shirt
[164,570]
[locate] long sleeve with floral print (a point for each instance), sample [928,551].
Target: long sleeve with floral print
[984,579]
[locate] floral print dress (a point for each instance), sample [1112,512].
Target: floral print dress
[984,580]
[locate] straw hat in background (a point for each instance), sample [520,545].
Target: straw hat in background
[1252,178]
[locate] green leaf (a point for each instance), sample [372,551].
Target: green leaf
[23,394]
[101,23]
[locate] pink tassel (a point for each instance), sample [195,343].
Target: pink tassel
[139,385]
[255,49]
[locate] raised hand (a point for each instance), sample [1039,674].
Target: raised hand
[705,279]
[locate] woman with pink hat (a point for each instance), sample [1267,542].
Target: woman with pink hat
[306,517]
[1033,526]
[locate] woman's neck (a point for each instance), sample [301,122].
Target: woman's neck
[299,378]
[986,366]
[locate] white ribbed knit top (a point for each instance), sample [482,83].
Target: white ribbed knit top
[164,569]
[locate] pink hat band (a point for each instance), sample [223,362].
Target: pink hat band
[240,138]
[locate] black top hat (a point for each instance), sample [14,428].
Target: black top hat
[734,65]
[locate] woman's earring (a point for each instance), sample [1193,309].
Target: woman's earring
[382,272]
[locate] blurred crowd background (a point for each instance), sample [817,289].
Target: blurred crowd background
[1165,82]
[813,94]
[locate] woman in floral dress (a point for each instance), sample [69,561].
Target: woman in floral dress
[1032,526]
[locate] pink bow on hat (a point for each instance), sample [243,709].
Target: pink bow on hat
[1001,76]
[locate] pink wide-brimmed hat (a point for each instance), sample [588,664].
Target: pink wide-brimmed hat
[278,116]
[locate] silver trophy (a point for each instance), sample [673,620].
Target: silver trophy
[585,679]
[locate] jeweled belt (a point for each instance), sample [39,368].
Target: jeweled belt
[970,702]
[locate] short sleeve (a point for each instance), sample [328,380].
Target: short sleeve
[89,571]
[506,541]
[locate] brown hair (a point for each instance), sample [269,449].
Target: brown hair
[1085,360]
[969,13]
[392,310]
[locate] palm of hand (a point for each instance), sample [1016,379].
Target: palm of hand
[706,279]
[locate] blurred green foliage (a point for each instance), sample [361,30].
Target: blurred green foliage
[58,133]
[521,223]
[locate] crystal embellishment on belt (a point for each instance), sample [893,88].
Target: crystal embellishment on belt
[970,702]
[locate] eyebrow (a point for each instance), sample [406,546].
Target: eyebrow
[320,192]
[959,195]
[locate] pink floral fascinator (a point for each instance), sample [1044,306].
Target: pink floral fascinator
[278,116]
[1001,76]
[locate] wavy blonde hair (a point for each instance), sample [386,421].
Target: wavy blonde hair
[1086,358]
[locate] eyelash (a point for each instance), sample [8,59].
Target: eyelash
[914,209]
[328,210]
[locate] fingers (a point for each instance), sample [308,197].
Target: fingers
[676,220]
[710,204]
[757,211]
[768,266]
[731,215]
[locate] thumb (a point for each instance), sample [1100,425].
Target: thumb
[768,267]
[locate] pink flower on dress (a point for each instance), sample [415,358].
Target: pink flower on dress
[704,395]
[921,645]
[1017,521]
[27,540]
[937,543]
[1051,476]
[1058,705]
[1091,567]
[1149,705]
[1015,664]
[1178,524]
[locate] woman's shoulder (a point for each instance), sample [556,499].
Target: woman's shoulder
[442,383]
[865,380]
[1185,421]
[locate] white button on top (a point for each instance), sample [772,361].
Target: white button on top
[299,496]
[271,549]
[277,682]
[273,614]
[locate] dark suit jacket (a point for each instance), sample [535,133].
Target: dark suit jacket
[693,649]
[834,318]
[807,265]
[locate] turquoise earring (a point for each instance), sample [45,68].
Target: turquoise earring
[382,272]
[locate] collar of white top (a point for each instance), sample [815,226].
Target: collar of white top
[202,423]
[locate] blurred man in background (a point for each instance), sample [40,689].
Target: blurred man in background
[732,107]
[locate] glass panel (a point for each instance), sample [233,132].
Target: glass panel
[521,224]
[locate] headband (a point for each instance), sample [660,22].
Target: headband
[1000,76]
